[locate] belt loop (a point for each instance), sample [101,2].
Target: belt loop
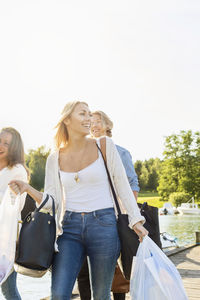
[94,213]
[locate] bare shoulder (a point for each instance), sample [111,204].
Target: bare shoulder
[103,139]
[106,140]
[91,141]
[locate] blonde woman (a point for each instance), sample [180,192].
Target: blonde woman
[12,166]
[101,125]
[86,220]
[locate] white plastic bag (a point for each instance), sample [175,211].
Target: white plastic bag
[9,215]
[154,276]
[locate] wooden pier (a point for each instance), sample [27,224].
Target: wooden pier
[187,261]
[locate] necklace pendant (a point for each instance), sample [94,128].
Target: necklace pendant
[76,178]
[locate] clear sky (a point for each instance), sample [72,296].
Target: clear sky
[139,61]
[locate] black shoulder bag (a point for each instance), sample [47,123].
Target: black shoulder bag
[35,247]
[128,238]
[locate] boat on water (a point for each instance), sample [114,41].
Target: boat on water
[189,208]
[167,209]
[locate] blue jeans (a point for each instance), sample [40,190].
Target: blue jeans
[91,234]
[9,288]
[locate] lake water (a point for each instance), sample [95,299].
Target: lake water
[183,227]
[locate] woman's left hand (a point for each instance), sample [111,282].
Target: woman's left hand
[140,230]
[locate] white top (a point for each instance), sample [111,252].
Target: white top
[91,192]
[53,186]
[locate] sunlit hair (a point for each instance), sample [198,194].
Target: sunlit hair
[15,149]
[62,136]
[106,122]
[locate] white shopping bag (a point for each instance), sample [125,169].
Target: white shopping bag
[154,276]
[9,215]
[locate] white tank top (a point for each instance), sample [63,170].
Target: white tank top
[92,192]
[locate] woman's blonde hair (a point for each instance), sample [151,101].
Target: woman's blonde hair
[15,149]
[106,121]
[62,136]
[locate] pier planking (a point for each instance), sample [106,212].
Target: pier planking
[187,261]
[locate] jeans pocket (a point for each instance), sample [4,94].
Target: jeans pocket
[66,218]
[106,219]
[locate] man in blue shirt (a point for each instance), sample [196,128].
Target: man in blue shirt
[129,168]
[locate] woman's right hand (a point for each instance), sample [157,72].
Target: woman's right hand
[140,230]
[18,186]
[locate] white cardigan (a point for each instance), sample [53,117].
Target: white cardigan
[53,186]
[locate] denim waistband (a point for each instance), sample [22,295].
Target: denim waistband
[98,211]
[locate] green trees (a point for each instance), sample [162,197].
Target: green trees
[35,161]
[177,198]
[180,170]
[148,173]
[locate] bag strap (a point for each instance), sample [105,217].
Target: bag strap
[44,202]
[103,147]
[109,178]
[144,206]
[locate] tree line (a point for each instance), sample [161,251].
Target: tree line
[177,172]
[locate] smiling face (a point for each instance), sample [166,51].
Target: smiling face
[97,127]
[5,141]
[79,121]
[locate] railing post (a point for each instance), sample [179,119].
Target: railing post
[197,233]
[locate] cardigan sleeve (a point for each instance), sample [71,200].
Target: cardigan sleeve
[20,173]
[121,184]
[49,183]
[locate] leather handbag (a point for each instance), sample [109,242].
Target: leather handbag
[120,284]
[128,238]
[35,247]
